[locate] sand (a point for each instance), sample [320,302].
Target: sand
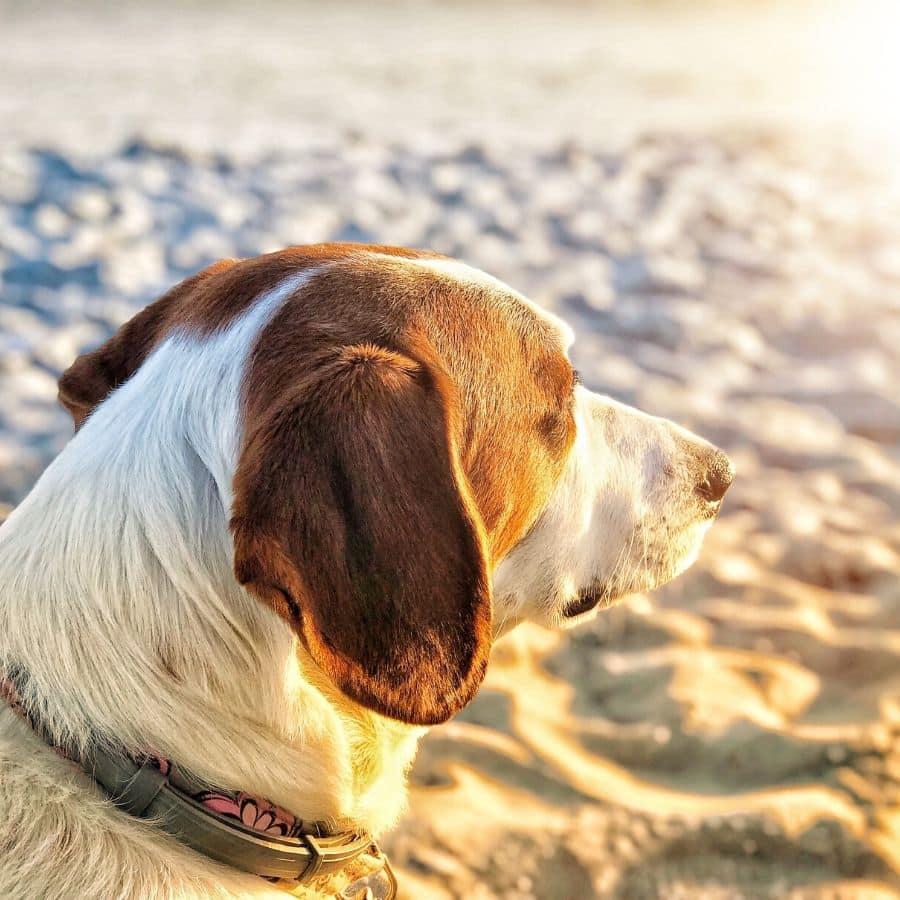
[730,736]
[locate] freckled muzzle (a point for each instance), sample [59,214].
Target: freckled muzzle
[658,557]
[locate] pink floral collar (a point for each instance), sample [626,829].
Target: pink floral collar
[252,812]
[221,823]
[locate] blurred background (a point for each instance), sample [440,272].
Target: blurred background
[707,191]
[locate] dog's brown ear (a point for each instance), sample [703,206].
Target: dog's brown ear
[95,375]
[353,519]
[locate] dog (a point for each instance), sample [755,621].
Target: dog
[305,494]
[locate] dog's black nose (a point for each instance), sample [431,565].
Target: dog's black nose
[719,475]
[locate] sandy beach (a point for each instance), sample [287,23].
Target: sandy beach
[733,735]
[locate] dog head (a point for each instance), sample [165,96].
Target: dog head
[416,464]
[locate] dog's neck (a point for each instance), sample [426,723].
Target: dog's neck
[119,599]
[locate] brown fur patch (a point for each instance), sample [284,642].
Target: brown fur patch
[205,301]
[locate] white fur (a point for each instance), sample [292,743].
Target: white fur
[117,595]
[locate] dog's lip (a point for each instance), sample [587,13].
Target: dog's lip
[584,602]
[711,508]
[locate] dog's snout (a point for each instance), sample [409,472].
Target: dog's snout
[717,478]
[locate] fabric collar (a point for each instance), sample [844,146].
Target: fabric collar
[232,827]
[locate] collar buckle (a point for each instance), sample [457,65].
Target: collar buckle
[329,854]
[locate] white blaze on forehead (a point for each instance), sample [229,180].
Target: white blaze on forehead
[470,275]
